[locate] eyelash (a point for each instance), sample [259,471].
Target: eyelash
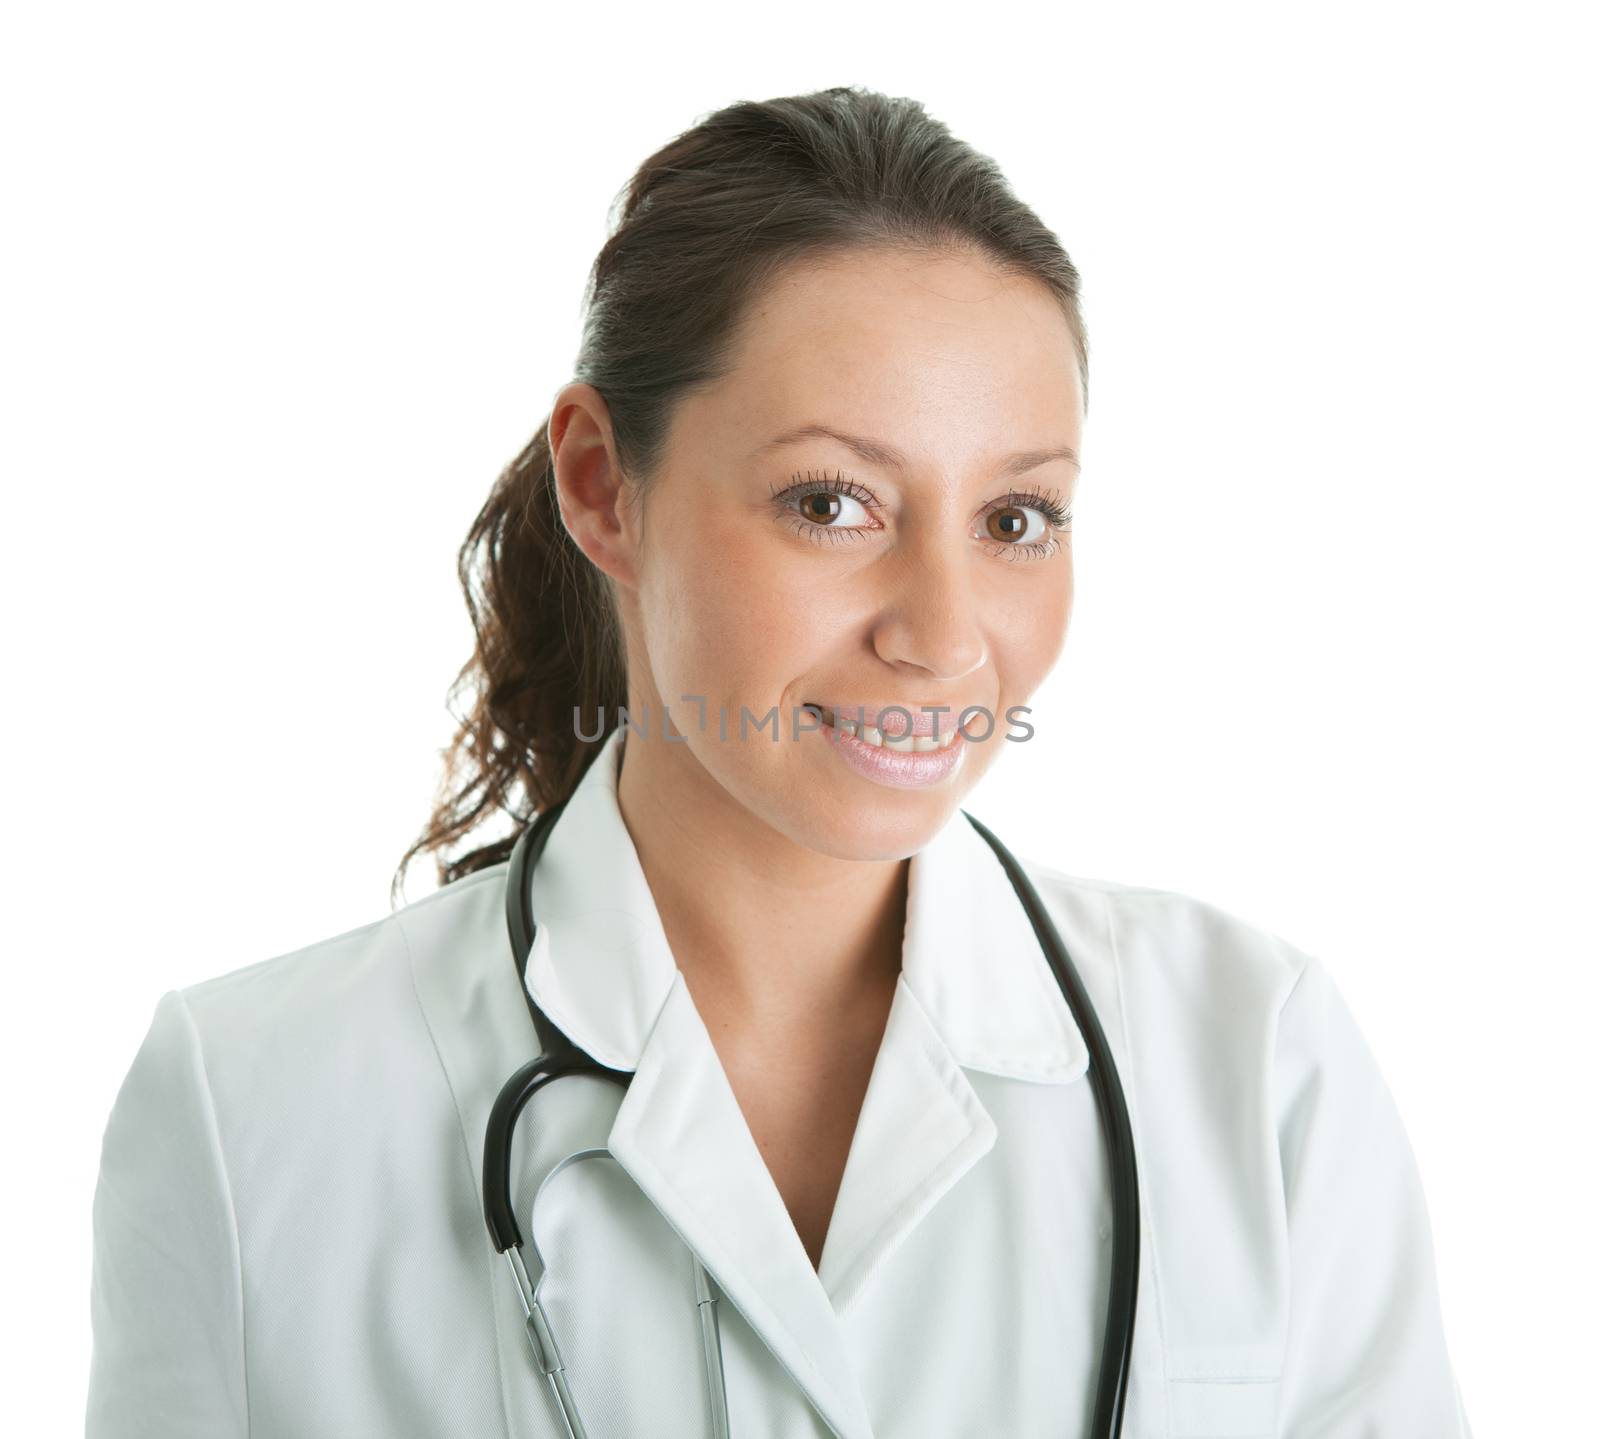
[1048,504]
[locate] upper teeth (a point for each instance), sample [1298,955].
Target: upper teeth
[911,744]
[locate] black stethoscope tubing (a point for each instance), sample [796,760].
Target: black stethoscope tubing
[559,1057]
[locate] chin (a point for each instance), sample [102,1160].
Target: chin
[888,824]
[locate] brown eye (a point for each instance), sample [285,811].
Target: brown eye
[830,508]
[1009,524]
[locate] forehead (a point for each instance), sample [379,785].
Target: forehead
[942,356]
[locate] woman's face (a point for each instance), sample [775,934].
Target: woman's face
[859,514]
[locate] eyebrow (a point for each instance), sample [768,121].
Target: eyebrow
[876,452]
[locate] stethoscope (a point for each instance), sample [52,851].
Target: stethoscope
[560,1057]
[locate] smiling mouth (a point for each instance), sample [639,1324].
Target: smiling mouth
[871,734]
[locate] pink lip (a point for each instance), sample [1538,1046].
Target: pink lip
[896,768]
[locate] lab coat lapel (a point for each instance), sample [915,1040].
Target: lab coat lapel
[921,1128]
[975,992]
[682,1137]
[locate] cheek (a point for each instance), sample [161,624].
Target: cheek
[725,617]
[1030,638]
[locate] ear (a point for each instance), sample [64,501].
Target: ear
[590,491]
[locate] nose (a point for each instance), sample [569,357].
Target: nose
[930,619]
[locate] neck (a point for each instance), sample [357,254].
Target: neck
[768,933]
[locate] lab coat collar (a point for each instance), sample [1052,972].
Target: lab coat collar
[602,970]
[975,992]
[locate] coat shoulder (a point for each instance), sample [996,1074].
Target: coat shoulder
[1178,940]
[342,1010]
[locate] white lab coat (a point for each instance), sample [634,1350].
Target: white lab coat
[288,1225]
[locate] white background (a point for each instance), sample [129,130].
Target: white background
[286,285]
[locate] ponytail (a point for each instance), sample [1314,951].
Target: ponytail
[547,665]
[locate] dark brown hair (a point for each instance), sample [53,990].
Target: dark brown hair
[705,222]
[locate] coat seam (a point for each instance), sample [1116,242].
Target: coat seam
[1287,1183]
[227,1193]
[1134,1107]
[1227,1376]
[466,1146]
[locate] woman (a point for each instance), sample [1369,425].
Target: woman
[818,462]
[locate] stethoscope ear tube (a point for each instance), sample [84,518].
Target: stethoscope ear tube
[508,1105]
[559,1057]
[1116,1355]
[519,918]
